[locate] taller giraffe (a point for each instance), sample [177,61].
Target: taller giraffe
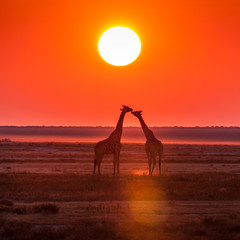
[153,146]
[111,144]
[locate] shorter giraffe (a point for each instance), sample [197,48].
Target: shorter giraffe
[153,146]
[111,145]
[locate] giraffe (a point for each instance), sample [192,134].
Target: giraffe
[111,145]
[153,146]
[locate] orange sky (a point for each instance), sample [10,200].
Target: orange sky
[187,74]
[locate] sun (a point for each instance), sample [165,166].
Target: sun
[119,46]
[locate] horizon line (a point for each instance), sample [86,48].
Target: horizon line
[99,126]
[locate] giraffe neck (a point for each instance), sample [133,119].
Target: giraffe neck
[120,122]
[118,130]
[148,133]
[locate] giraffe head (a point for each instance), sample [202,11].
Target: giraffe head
[137,114]
[126,109]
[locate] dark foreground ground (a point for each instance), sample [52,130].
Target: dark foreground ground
[72,206]
[28,187]
[47,192]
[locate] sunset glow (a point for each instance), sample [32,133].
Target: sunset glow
[119,119]
[187,73]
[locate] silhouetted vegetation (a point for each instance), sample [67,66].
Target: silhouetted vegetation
[43,208]
[46,208]
[3,140]
[5,202]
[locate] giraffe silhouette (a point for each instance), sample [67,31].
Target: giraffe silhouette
[111,145]
[153,146]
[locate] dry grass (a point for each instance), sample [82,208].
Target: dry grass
[71,187]
[26,187]
[214,228]
[16,189]
[33,152]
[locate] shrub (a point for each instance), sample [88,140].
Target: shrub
[6,203]
[46,208]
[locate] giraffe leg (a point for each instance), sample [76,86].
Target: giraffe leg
[117,159]
[154,162]
[118,167]
[99,173]
[149,162]
[159,164]
[160,154]
[97,163]
[116,162]
[94,168]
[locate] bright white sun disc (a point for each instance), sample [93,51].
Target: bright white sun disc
[119,46]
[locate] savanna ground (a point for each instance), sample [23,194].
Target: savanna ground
[47,192]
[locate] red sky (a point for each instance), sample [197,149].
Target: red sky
[187,74]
